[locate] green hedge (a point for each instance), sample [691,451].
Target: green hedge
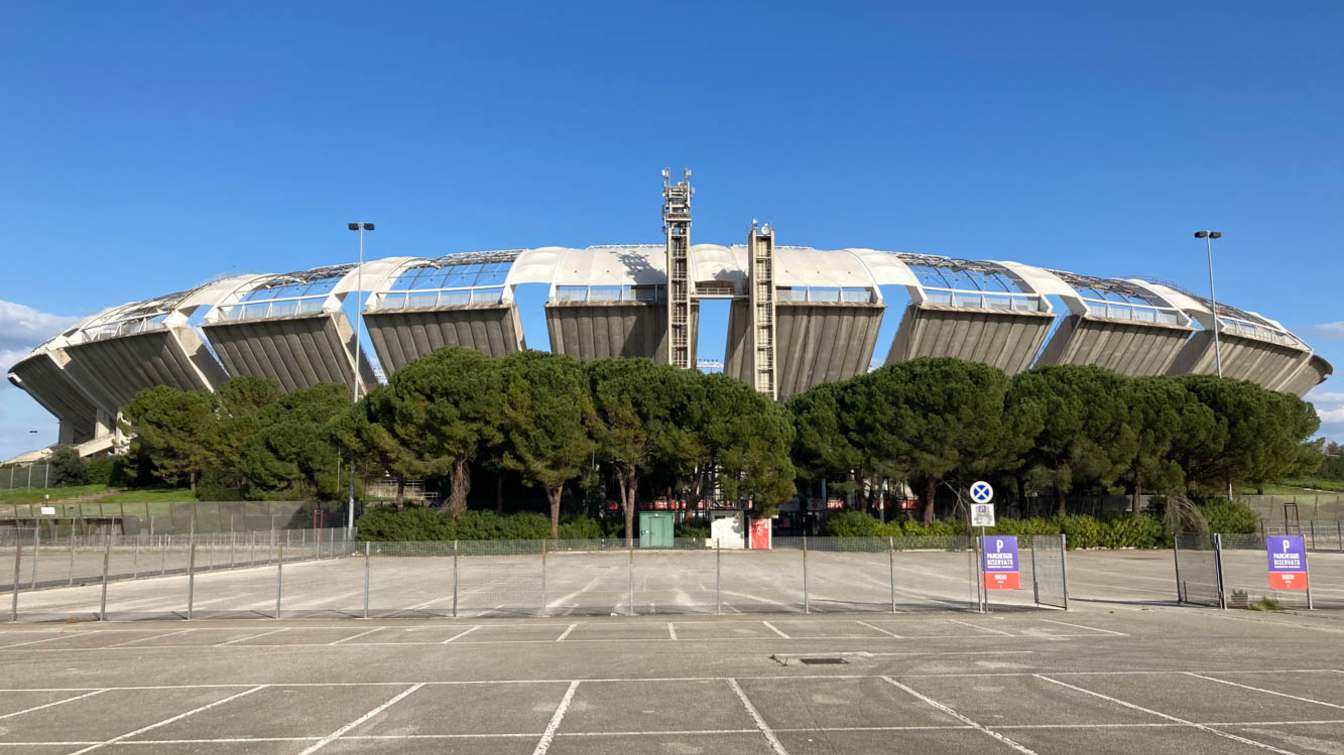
[423,524]
[1121,531]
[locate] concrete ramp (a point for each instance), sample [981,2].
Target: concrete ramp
[1127,347]
[296,352]
[112,370]
[401,337]
[1006,339]
[587,330]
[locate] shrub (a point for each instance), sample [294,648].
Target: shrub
[581,528]
[101,470]
[1230,517]
[692,531]
[852,524]
[409,525]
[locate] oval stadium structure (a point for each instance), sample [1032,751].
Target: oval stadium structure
[797,317]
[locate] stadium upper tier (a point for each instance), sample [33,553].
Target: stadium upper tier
[819,322]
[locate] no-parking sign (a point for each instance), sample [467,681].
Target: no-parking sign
[1287,562]
[998,562]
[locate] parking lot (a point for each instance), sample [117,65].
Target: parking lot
[1123,679]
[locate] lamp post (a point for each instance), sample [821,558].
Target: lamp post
[359,228]
[1208,237]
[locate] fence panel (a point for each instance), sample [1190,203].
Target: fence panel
[501,578]
[1197,578]
[680,579]
[764,581]
[1049,570]
[1245,573]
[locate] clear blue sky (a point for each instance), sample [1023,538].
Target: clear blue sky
[148,146]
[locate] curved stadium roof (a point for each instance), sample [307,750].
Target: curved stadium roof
[611,301]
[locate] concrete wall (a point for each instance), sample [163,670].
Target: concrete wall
[1002,339]
[1311,374]
[48,384]
[814,343]
[628,329]
[1263,363]
[296,352]
[113,370]
[401,337]
[1130,348]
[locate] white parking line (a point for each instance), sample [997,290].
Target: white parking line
[1266,691]
[167,721]
[463,633]
[53,704]
[1080,626]
[756,716]
[548,736]
[565,633]
[991,630]
[35,642]
[344,640]
[775,629]
[151,637]
[1159,714]
[964,719]
[332,737]
[878,629]
[245,638]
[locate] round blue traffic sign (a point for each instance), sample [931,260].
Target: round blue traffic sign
[982,492]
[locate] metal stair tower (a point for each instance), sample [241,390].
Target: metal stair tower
[677,227]
[761,280]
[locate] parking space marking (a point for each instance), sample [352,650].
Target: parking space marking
[170,720]
[775,629]
[548,736]
[565,633]
[151,637]
[756,717]
[991,630]
[1265,691]
[1080,626]
[878,629]
[344,640]
[332,737]
[52,704]
[964,719]
[62,636]
[1159,714]
[245,638]
[671,631]
[463,633]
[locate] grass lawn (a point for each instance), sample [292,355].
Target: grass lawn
[1297,487]
[38,495]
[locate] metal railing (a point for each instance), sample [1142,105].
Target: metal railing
[510,578]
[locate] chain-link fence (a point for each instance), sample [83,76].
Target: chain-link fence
[25,476]
[1198,580]
[1318,535]
[1238,571]
[166,518]
[191,577]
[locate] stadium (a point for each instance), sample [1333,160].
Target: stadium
[796,317]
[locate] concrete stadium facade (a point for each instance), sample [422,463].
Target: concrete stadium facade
[797,317]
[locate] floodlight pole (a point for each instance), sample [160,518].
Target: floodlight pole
[360,228]
[1208,237]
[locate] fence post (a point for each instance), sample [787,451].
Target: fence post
[18,567]
[1339,534]
[135,558]
[71,581]
[1035,583]
[37,549]
[191,571]
[1064,566]
[233,544]
[807,608]
[366,580]
[1218,568]
[107,553]
[630,575]
[1306,566]
[163,555]
[454,579]
[543,577]
[251,548]
[1176,554]
[1313,537]
[718,572]
[279,576]
[891,570]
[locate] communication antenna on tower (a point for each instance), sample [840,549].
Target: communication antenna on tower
[677,228]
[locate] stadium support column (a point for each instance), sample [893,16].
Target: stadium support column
[761,276]
[677,226]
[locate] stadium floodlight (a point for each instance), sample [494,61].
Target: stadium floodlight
[1208,237]
[359,228]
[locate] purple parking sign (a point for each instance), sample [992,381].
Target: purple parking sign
[1287,562]
[998,562]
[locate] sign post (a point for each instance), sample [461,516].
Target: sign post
[1287,556]
[982,516]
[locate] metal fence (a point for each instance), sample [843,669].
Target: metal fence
[1231,571]
[1317,535]
[20,477]
[530,578]
[164,517]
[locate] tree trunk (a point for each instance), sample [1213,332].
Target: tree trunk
[461,484]
[1061,502]
[629,488]
[499,492]
[1134,500]
[553,495]
[191,479]
[930,493]
[401,492]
